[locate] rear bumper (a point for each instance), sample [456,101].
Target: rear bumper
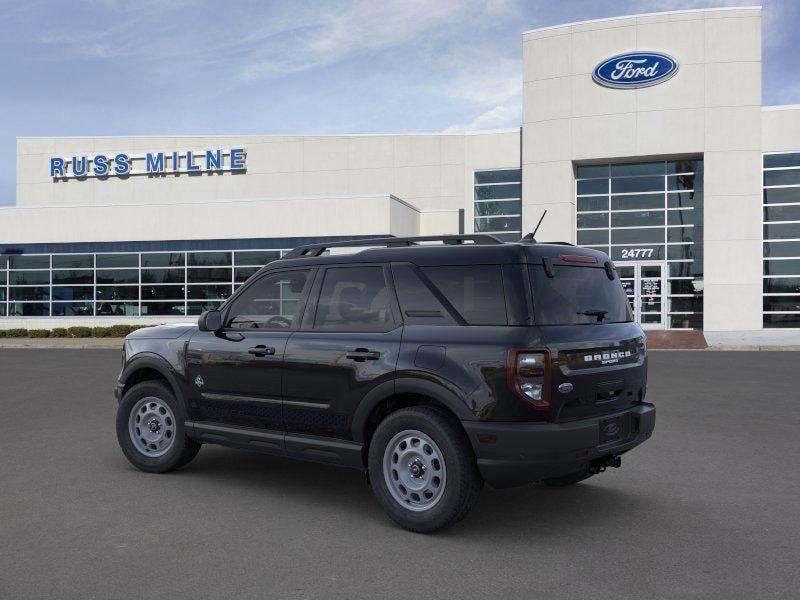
[527,452]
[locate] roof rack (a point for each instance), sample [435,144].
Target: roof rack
[313,250]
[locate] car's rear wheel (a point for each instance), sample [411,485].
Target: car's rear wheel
[150,428]
[422,469]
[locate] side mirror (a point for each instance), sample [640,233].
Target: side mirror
[210,320]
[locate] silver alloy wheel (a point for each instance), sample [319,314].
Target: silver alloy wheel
[151,426]
[414,470]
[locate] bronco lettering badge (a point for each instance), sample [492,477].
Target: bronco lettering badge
[607,357]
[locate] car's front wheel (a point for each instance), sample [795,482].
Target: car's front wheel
[150,428]
[422,469]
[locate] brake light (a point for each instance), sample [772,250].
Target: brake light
[578,258]
[529,376]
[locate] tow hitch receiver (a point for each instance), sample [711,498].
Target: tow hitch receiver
[601,464]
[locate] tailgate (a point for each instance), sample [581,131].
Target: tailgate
[603,368]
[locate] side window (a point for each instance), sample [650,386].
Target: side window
[418,303]
[475,291]
[354,299]
[272,302]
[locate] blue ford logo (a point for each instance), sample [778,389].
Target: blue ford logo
[565,388]
[635,70]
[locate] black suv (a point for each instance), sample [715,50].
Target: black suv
[432,367]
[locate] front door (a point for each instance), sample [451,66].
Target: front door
[644,285]
[348,344]
[235,374]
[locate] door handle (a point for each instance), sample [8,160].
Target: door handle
[261,350]
[362,354]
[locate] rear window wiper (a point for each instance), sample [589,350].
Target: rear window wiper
[600,313]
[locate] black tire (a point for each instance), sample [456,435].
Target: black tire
[566,480]
[463,481]
[182,449]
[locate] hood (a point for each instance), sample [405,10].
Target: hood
[162,332]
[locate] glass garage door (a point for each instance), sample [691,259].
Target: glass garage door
[649,213]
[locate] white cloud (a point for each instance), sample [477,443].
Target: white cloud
[493,94]
[497,117]
[335,34]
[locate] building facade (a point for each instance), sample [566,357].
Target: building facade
[642,136]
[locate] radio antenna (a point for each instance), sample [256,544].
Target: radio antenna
[533,235]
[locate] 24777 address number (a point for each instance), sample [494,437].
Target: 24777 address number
[637,252]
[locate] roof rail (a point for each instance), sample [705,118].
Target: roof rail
[313,250]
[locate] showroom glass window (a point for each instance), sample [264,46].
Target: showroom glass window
[781,210]
[124,284]
[649,211]
[498,203]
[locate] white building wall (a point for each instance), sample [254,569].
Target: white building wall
[780,127]
[431,172]
[272,218]
[712,107]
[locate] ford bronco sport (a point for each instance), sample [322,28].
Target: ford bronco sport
[432,367]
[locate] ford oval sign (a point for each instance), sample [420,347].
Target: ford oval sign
[635,70]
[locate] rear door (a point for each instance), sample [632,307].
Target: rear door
[235,374]
[348,344]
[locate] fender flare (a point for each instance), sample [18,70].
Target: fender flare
[149,360]
[407,385]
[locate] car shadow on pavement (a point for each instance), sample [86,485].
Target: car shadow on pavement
[527,510]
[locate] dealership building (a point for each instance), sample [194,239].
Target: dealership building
[643,136]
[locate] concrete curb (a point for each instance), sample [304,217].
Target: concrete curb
[731,348]
[754,347]
[66,343]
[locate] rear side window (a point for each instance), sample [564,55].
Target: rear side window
[475,291]
[419,304]
[354,299]
[577,295]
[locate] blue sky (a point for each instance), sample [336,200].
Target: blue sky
[105,67]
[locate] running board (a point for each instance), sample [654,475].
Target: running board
[305,447]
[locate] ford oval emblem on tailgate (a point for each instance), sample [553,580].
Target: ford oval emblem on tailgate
[565,388]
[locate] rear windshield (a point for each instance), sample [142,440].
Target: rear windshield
[577,295]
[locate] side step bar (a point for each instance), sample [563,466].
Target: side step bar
[305,447]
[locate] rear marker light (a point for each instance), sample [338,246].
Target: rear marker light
[487,438]
[529,376]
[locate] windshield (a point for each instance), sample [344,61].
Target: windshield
[577,295]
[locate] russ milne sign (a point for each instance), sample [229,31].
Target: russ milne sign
[635,70]
[122,164]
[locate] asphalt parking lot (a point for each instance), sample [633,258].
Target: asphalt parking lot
[708,508]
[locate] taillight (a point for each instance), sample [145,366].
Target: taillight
[529,376]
